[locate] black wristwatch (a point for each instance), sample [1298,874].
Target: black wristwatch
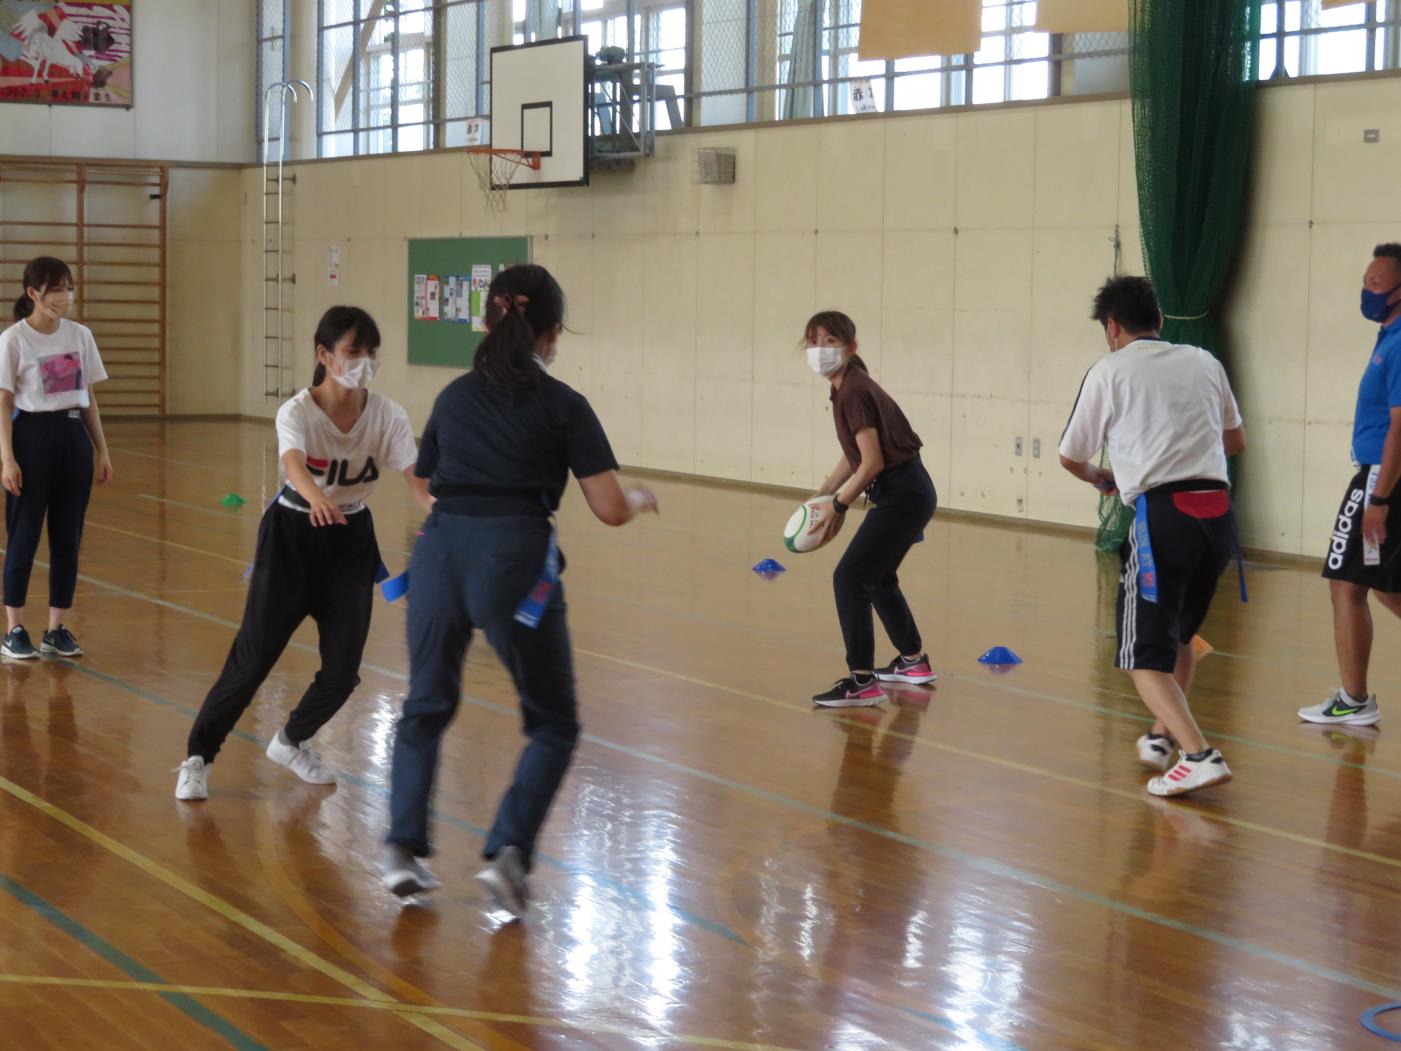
[1380,501]
[838,506]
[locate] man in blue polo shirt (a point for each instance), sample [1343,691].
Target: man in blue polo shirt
[1364,551]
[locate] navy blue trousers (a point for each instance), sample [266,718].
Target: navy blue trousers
[55,459]
[471,573]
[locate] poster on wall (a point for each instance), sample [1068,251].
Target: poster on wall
[481,281]
[420,296]
[431,288]
[66,53]
[445,283]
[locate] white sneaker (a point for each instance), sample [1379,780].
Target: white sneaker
[504,879]
[403,873]
[194,779]
[1340,708]
[1188,776]
[301,760]
[1155,751]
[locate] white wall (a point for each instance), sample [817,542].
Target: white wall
[966,244]
[194,63]
[965,252]
[1323,200]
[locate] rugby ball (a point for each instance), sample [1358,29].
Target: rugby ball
[807,528]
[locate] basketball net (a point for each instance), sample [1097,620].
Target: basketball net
[497,170]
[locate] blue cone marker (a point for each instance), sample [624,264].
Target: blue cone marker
[999,655]
[769,569]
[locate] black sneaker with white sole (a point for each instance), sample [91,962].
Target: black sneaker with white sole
[917,672]
[60,643]
[17,646]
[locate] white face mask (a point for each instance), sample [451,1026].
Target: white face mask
[825,360]
[357,372]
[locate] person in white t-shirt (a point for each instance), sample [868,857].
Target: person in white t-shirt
[51,445]
[1169,419]
[317,555]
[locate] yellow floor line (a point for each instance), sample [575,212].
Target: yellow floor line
[1292,837]
[209,992]
[235,915]
[1009,764]
[296,900]
[168,543]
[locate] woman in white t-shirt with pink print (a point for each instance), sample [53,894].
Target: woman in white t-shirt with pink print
[51,445]
[317,556]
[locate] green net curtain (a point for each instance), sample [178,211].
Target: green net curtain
[1192,77]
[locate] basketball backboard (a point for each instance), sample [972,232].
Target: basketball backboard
[538,93]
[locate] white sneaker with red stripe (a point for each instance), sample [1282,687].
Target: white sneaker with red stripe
[1188,775]
[917,672]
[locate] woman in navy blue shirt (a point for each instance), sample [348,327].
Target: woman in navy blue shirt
[498,451]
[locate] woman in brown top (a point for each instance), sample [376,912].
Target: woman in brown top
[880,456]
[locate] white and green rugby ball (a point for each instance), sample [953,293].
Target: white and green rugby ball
[807,528]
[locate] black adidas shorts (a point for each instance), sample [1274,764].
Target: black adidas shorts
[1191,530]
[1344,559]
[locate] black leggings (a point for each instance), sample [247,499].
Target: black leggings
[866,577]
[54,454]
[301,570]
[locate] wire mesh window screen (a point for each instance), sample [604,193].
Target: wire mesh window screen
[377,75]
[398,75]
[272,63]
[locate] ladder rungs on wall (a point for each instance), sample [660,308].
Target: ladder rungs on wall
[107,220]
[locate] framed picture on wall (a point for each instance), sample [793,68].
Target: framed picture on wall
[63,53]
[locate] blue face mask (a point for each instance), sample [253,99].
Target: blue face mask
[1374,304]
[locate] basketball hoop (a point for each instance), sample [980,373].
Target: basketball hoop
[497,170]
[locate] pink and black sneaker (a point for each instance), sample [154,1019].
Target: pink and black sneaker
[848,693]
[918,672]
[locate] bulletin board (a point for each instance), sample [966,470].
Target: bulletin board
[448,278]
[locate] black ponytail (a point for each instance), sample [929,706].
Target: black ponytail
[41,274]
[523,303]
[333,327]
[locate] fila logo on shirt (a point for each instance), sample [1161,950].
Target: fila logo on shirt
[337,472]
[1343,530]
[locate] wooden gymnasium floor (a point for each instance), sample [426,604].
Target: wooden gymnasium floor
[972,868]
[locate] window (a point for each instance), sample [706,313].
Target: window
[272,59]
[400,75]
[1014,62]
[644,31]
[1299,38]
[809,66]
[376,71]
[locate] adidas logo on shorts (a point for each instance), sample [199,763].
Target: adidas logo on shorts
[1342,532]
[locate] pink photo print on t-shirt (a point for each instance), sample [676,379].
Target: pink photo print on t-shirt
[61,373]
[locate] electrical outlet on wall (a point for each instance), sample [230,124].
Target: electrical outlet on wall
[1017,445]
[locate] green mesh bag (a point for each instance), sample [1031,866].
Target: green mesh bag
[1115,518]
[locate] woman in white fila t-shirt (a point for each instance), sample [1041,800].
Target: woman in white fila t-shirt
[51,444]
[317,556]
